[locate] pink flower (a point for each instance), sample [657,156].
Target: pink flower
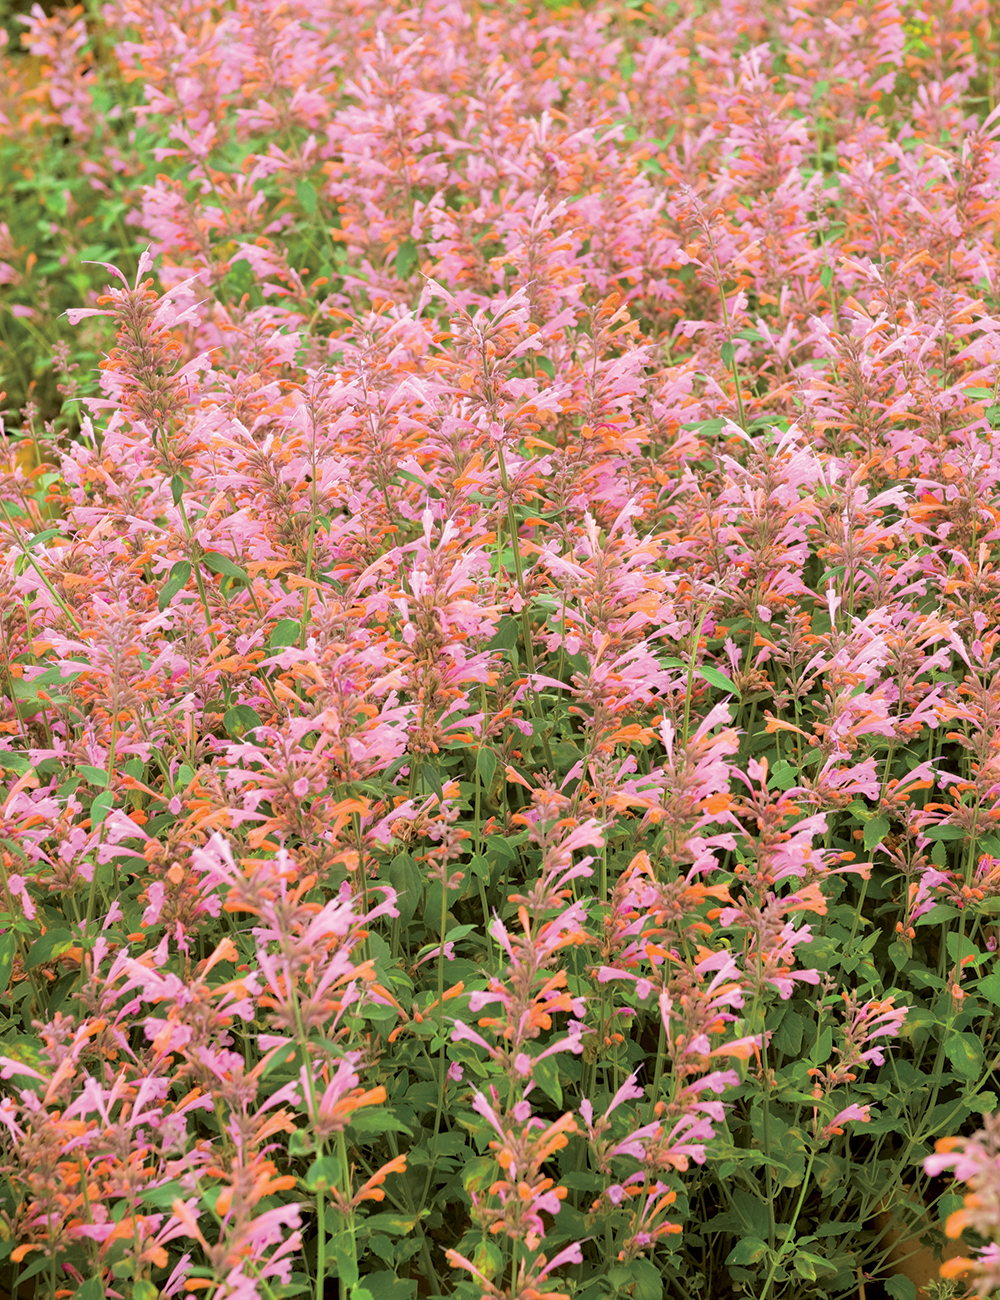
[853,1112]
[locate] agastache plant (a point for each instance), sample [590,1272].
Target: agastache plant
[498,647]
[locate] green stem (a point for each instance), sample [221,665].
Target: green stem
[430,1272]
[739,395]
[858,912]
[690,683]
[321,1247]
[766,1116]
[309,553]
[725,321]
[529,651]
[760,1017]
[34,564]
[442,1059]
[484,903]
[199,580]
[661,1053]
[349,1227]
[777,1254]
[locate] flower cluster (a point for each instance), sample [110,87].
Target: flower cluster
[499,633]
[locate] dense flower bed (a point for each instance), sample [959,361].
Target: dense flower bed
[499,706]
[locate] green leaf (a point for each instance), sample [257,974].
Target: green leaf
[421,483]
[341,1246]
[141,1290]
[546,1074]
[989,988]
[95,775]
[178,580]
[834,1229]
[486,766]
[46,535]
[393,1225]
[49,681]
[784,775]
[164,1195]
[406,880]
[824,1046]
[505,637]
[240,719]
[177,489]
[286,632]
[938,913]
[433,778]
[307,197]
[900,1287]
[645,1280]
[384,1285]
[32,1269]
[8,947]
[876,831]
[810,1266]
[545,366]
[501,847]
[898,954]
[826,276]
[706,427]
[300,1143]
[961,949]
[788,1039]
[747,1251]
[406,259]
[478,1173]
[376,1119]
[715,678]
[223,565]
[93,1289]
[377,1012]
[965,1052]
[323,1174]
[100,808]
[728,354]
[52,944]
[13,762]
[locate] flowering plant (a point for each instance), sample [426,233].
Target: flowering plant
[499,694]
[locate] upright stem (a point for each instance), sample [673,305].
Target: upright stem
[529,651]
[725,321]
[442,1059]
[777,1254]
[353,1250]
[48,585]
[199,579]
[691,664]
[661,1052]
[306,591]
[768,1171]
[760,1016]
[321,1248]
